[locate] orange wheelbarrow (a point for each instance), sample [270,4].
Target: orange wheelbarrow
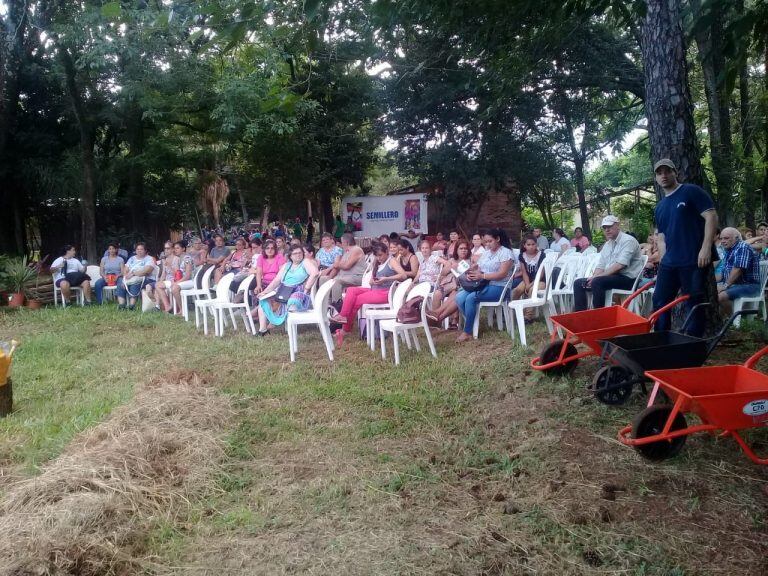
[727,398]
[588,327]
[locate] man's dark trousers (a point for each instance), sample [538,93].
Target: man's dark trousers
[599,287]
[671,280]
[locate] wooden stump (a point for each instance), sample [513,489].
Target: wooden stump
[6,399]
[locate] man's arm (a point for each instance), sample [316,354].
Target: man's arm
[661,244]
[351,261]
[710,225]
[733,277]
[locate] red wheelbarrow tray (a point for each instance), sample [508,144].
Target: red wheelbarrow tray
[589,326]
[727,398]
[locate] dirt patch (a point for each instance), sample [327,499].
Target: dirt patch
[89,510]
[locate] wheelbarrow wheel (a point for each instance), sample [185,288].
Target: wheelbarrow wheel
[612,385]
[651,422]
[551,353]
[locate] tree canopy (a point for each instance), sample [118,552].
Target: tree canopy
[114,114]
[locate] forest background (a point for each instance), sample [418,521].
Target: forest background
[117,116]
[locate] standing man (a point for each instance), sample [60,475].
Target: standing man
[298,229]
[310,230]
[338,228]
[620,263]
[541,241]
[686,222]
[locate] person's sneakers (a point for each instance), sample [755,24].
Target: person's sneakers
[121,306]
[87,303]
[132,307]
[262,334]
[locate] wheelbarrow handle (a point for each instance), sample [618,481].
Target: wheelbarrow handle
[715,340]
[755,358]
[690,315]
[637,293]
[655,316]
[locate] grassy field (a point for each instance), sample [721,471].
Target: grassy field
[138,446]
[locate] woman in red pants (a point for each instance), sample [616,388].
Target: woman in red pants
[386,270]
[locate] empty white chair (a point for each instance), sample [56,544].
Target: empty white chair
[317,315]
[561,291]
[756,302]
[223,295]
[201,291]
[373,315]
[539,299]
[397,328]
[218,308]
[634,306]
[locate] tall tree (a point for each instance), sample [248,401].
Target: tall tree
[668,104]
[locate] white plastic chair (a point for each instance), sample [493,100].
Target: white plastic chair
[218,308]
[423,289]
[201,291]
[495,307]
[753,302]
[318,315]
[386,305]
[75,291]
[539,299]
[561,291]
[589,250]
[108,292]
[634,306]
[223,295]
[373,315]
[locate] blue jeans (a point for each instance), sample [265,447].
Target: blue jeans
[130,291]
[98,289]
[742,291]
[688,280]
[468,301]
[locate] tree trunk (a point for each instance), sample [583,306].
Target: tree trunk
[747,135]
[12,205]
[582,196]
[88,198]
[765,128]
[668,106]
[265,218]
[709,41]
[327,210]
[241,197]
[135,137]
[87,138]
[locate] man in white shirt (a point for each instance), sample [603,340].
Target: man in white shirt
[620,263]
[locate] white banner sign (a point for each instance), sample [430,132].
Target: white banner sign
[373,216]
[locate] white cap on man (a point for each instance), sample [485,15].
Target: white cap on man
[609,221]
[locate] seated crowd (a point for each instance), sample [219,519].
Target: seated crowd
[487,261]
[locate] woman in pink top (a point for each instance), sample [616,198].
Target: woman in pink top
[579,241]
[268,265]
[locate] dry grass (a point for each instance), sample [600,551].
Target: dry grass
[467,464]
[89,511]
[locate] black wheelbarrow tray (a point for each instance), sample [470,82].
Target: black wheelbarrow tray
[626,358]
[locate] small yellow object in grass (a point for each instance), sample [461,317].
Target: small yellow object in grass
[6,355]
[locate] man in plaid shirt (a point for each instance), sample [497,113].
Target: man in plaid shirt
[741,271]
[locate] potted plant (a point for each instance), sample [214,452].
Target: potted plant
[17,275]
